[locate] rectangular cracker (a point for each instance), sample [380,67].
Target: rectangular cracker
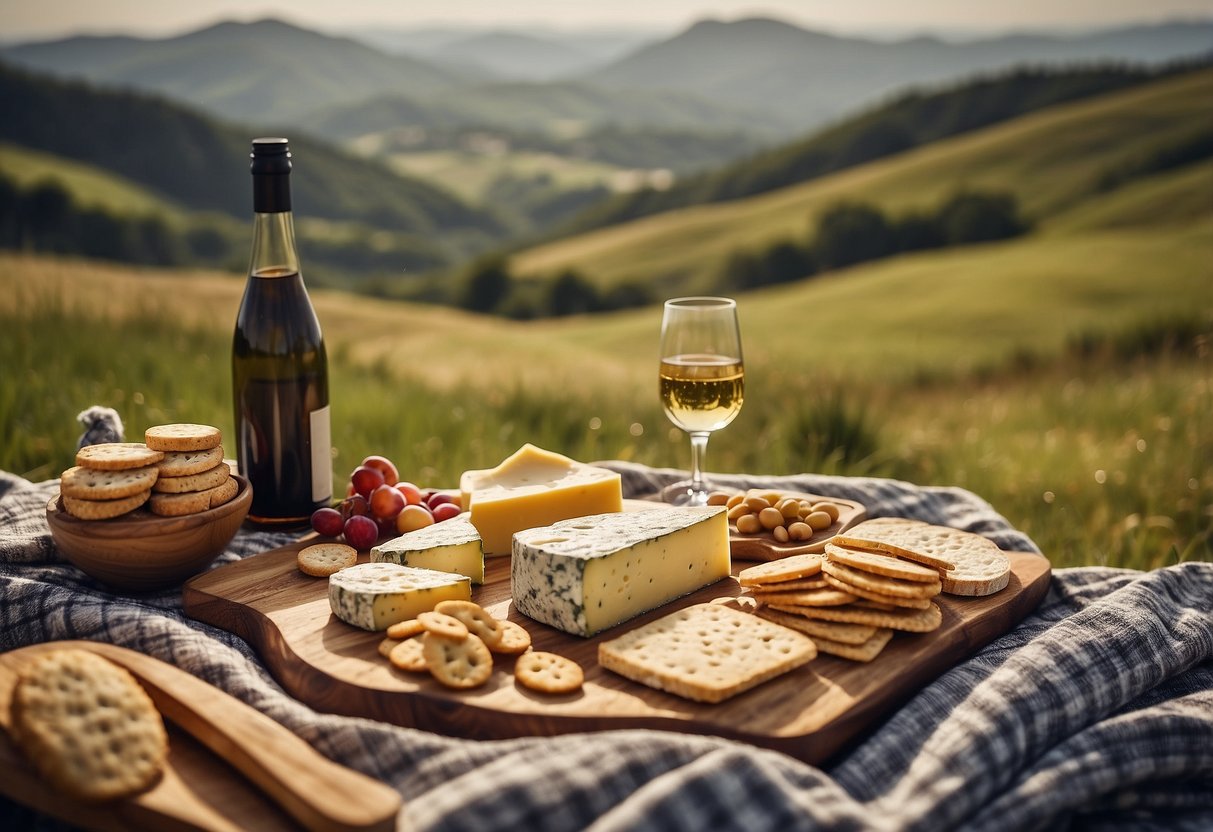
[910,621]
[865,652]
[706,652]
[817,630]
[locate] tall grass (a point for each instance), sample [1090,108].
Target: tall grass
[1104,455]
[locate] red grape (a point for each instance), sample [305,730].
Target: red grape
[384,466]
[386,503]
[361,532]
[412,494]
[445,511]
[387,527]
[439,498]
[366,479]
[354,506]
[328,522]
[412,518]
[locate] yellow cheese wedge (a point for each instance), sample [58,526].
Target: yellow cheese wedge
[534,487]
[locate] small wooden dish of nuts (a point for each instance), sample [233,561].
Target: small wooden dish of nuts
[768,525]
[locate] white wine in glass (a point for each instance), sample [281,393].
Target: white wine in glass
[701,379]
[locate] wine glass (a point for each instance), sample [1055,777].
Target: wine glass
[701,379]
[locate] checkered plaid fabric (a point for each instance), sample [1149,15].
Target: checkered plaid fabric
[1095,713]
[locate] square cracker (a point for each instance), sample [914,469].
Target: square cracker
[706,652]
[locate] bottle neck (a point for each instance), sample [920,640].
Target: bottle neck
[274,253]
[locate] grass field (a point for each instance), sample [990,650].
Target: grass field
[1102,458]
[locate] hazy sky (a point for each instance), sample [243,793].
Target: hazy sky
[28,18]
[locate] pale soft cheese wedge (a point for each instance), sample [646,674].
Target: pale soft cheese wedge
[590,573]
[450,546]
[534,487]
[374,596]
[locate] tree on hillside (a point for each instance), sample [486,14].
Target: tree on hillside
[572,294]
[850,233]
[977,217]
[488,284]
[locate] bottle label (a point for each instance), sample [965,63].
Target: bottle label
[322,455]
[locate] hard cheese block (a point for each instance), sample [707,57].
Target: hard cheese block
[534,487]
[374,596]
[587,574]
[450,546]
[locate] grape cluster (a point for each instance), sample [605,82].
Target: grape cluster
[377,504]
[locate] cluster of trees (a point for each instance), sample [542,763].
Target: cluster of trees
[852,232]
[488,287]
[45,218]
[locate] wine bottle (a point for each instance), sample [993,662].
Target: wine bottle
[279,365]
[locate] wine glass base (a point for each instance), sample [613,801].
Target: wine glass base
[683,493]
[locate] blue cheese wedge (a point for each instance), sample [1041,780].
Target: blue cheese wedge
[587,574]
[450,546]
[374,596]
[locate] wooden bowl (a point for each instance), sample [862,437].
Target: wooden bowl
[143,552]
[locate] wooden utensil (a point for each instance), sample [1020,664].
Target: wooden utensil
[200,791]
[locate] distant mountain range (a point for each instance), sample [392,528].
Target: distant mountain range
[270,72]
[267,72]
[816,77]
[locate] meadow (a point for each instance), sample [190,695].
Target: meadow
[1099,444]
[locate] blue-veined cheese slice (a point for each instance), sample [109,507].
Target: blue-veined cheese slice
[590,573]
[450,546]
[374,596]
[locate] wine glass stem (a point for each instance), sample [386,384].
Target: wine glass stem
[699,447]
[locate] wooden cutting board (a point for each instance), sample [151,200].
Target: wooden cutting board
[267,778]
[809,713]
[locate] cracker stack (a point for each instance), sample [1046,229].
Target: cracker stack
[178,470]
[109,480]
[193,476]
[878,577]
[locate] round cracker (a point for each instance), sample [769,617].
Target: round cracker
[103,509]
[211,478]
[88,726]
[836,631]
[829,596]
[386,645]
[882,585]
[443,625]
[117,456]
[884,565]
[323,559]
[515,640]
[548,673]
[474,617]
[405,629]
[461,664]
[193,502]
[89,484]
[184,463]
[182,437]
[409,655]
[784,569]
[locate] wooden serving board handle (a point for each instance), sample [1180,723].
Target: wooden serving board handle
[318,793]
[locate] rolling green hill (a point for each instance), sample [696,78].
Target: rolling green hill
[910,121]
[1054,162]
[202,165]
[90,187]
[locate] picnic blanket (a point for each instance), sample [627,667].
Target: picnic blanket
[1095,713]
